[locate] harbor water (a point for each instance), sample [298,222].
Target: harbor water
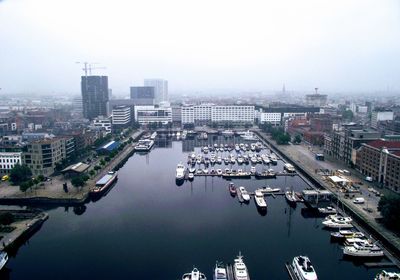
[148,227]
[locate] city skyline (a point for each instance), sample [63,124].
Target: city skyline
[336,46]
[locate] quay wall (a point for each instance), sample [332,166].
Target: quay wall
[378,230]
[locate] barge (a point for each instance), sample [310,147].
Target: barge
[104,183]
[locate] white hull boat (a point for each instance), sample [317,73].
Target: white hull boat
[303,268]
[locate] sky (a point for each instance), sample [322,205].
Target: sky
[201,46]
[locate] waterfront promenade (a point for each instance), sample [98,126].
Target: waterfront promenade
[308,166]
[53,192]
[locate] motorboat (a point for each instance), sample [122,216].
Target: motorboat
[205,150]
[244,194]
[194,275]
[228,133]
[270,190]
[289,168]
[239,269]
[191,176]
[219,172]
[270,173]
[344,234]
[253,159]
[334,224]
[363,251]
[180,171]
[3,259]
[273,159]
[303,268]
[192,169]
[205,171]
[144,145]
[339,218]
[232,189]
[259,199]
[253,170]
[329,210]
[384,275]
[249,136]
[291,197]
[220,272]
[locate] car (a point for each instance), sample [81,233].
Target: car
[359,200]
[368,179]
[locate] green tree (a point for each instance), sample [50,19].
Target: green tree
[347,115]
[24,186]
[297,139]
[40,178]
[97,167]
[20,173]
[85,177]
[6,218]
[77,182]
[92,172]
[389,206]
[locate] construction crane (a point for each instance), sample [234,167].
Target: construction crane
[89,66]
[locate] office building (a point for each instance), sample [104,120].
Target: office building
[42,156]
[121,116]
[153,114]
[94,96]
[380,160]
[316,99]
[160,89]
[102,123]
[143,95]
[380,116]
[8,160]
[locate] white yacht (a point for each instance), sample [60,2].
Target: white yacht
[180,171]
[191,176]
[259,199]
[339,218]
[289,168]
[228,133]
[240,269]
[273,159]
[303,268]
[327,210]
[244,194]
[250,136]
[339,225]
[144,145]
[384,275]
[3,259]
[194,275]
[363,251]
[220,272]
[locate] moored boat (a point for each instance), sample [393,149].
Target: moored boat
[259,199]
[104,183]
[220,272]
[244,194]
[144,145]
[194,275]
[327,210]
[180,171]
[303,268]
[363,251]
[384,275]
[239,269]
[3,259]
[334,224]
[232,189]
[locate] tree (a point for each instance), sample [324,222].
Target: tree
[347,115]
[20,173]
[389,206]
[77,182]
[297,139]
[6,218]
[40,178]
[24,186]
[85,177]
[92,172]
[97,167]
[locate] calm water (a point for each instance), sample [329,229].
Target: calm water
[147,227]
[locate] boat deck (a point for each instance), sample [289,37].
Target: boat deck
[290,271]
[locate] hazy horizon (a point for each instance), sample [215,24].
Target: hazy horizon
[338,46]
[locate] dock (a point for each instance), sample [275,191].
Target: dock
[379,265]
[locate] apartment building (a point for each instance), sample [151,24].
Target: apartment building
[8,160]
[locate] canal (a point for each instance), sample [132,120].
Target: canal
[147,227]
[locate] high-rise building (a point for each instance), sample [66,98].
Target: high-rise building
[94,96]
[121,116]
[160,89]
[143,95]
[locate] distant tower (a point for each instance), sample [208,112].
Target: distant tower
[160,89]
[283,90]
[94,96]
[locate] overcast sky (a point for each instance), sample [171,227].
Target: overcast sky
[336,45]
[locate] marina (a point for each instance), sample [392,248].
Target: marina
[147,202]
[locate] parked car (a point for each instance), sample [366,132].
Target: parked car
[359,200]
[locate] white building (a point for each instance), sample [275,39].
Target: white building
[232,113]
[187,114]
[121,116]
[8,160]
[103,123]
[160,89]
[380,116]
[153,114]
[208,113]
[273,118]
